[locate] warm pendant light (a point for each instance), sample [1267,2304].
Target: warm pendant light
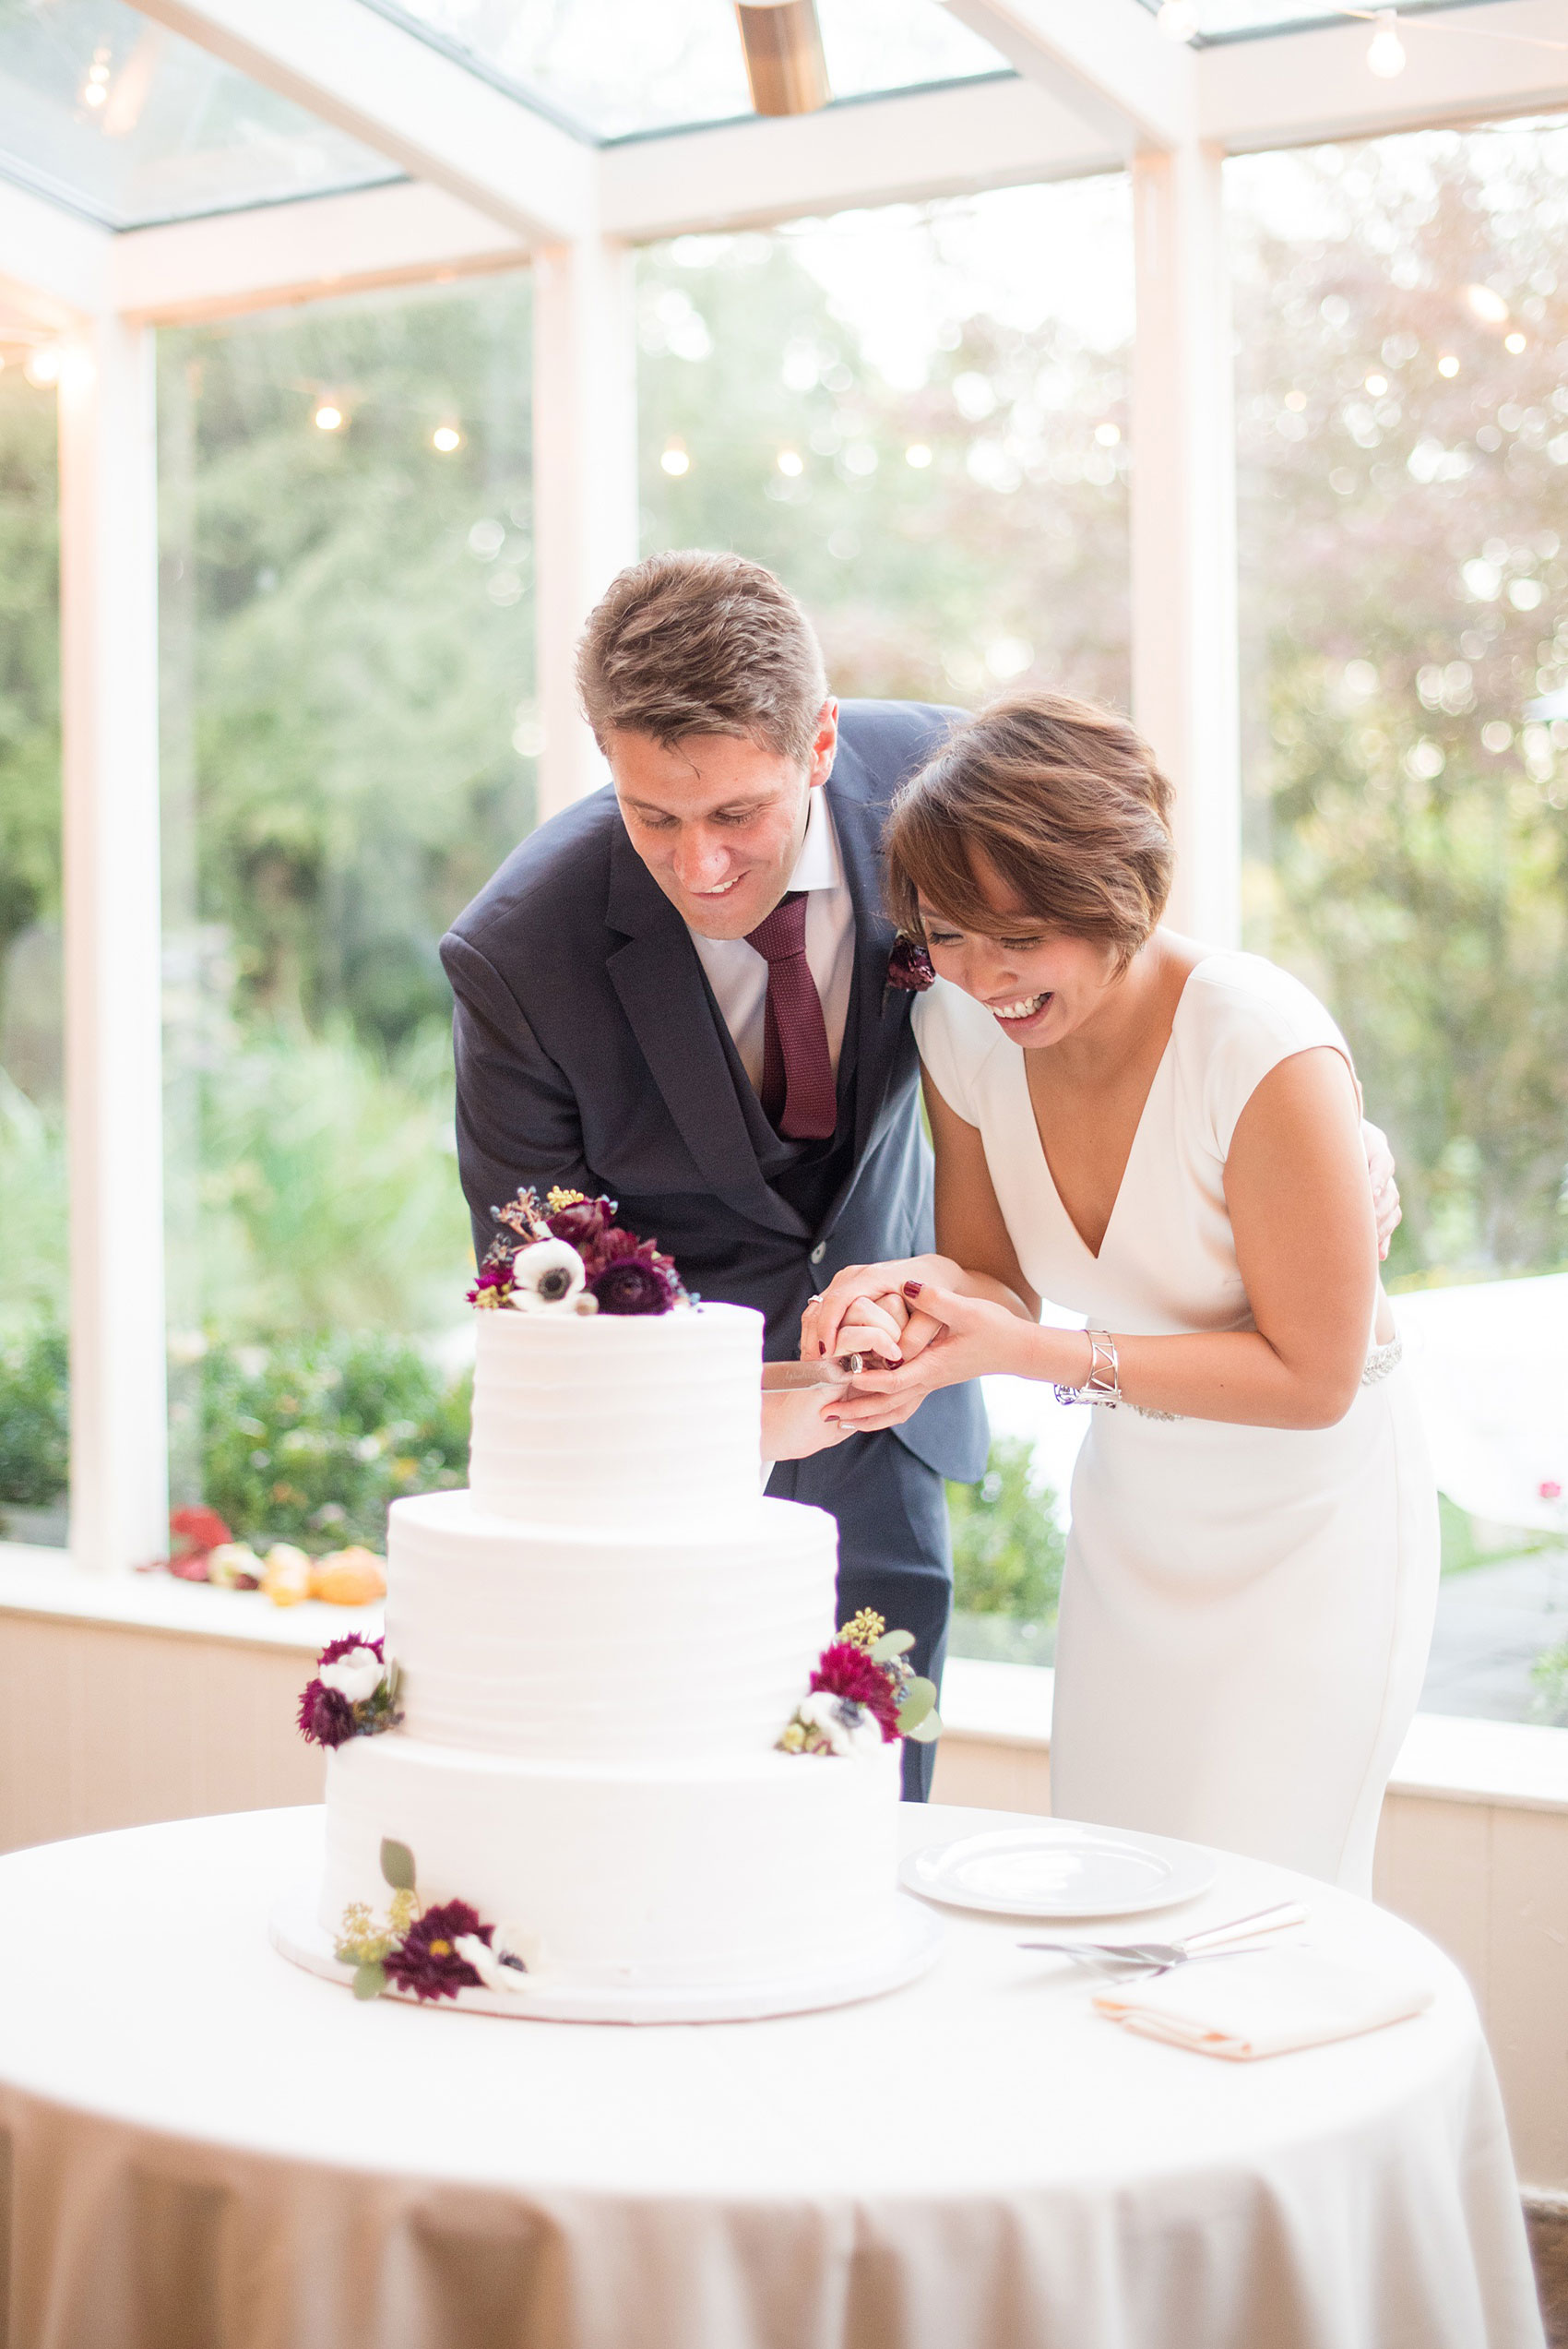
[784,65]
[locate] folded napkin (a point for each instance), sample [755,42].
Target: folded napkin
[1263,2003]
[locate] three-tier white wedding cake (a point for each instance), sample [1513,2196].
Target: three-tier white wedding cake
[597,1649]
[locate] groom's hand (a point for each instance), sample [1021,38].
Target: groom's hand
[1384,1190]
[875,1326]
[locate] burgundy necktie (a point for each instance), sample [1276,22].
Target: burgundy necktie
[798,1091]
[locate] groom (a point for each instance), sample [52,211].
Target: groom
[677,992]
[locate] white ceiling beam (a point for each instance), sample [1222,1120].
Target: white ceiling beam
[305,252]
[1105,59]
[1465,64]
[938,142]
[54,265]
[393,93]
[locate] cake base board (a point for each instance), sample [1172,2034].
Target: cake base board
[911,1947]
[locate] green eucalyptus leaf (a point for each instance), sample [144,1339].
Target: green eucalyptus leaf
[891,1644]
[925,1732]
[370,1980]
[397,1865]
[920,1699]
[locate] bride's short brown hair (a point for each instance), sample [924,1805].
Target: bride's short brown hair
[1065,803]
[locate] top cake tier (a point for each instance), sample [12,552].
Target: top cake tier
[611,1420]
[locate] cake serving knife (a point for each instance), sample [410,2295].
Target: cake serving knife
[780,1377]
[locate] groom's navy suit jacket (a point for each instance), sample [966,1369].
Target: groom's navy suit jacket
[591,1053]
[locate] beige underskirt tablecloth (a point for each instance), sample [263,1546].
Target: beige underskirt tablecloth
[203,2148]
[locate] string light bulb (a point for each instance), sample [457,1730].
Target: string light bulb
[42,367]
[674,459]
[1513,342]
[1487,304]
[328,419]
[1178,19]
[445,438]
[790,463]
[1387,56]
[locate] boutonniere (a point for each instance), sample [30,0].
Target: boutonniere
[910,970]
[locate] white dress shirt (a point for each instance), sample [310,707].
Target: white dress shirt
[738,974]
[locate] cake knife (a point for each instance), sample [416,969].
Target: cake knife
[781,1378]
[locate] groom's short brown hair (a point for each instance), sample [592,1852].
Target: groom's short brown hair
[702,644]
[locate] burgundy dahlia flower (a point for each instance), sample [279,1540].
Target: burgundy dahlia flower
[631,1284]
[844,1670]
[495,1275]
[426,1960]
[336,1648]
[583,1225]
[910,968]
[326,1718]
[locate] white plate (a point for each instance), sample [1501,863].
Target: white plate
[1059,1868]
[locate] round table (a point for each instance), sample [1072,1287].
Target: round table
[210,2148]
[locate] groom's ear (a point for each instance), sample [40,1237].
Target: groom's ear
[825,747]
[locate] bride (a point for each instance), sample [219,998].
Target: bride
[1167,1140]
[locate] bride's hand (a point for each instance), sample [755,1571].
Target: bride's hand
[875,1326]
[854,1297]
[974,1339]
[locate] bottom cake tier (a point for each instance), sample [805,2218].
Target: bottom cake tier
[681,1873]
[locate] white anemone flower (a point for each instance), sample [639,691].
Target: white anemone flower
[487,1962]
[547,1277]
[356,1676]
[849,1728]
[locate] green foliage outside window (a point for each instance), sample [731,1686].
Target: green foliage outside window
[34,1434]
[1550,1678]
[310,1440]
[1007,1547]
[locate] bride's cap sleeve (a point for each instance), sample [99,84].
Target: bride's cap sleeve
[1250,1016]
[947,1046]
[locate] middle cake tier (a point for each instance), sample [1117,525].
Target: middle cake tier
[577,1645]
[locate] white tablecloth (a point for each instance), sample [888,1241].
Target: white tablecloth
[209,2149]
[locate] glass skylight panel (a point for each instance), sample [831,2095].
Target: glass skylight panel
[115,117]
[1240,19]
[613,68]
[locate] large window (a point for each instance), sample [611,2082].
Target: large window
[919,418]
[32,1172]
[1403,407]
[347,746]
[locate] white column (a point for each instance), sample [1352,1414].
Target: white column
[1183,525]
[585,481]
[113,1107]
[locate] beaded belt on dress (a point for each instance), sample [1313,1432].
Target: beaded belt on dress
[1380,1361]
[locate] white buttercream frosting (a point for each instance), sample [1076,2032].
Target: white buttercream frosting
[685,1638]
[650,1873]
[617,1420]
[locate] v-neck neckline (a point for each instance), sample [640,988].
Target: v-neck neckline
[1097,1256]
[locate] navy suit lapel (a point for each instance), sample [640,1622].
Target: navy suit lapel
[858,822]
[662,991]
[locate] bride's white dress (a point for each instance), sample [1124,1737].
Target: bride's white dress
[1246,1611]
